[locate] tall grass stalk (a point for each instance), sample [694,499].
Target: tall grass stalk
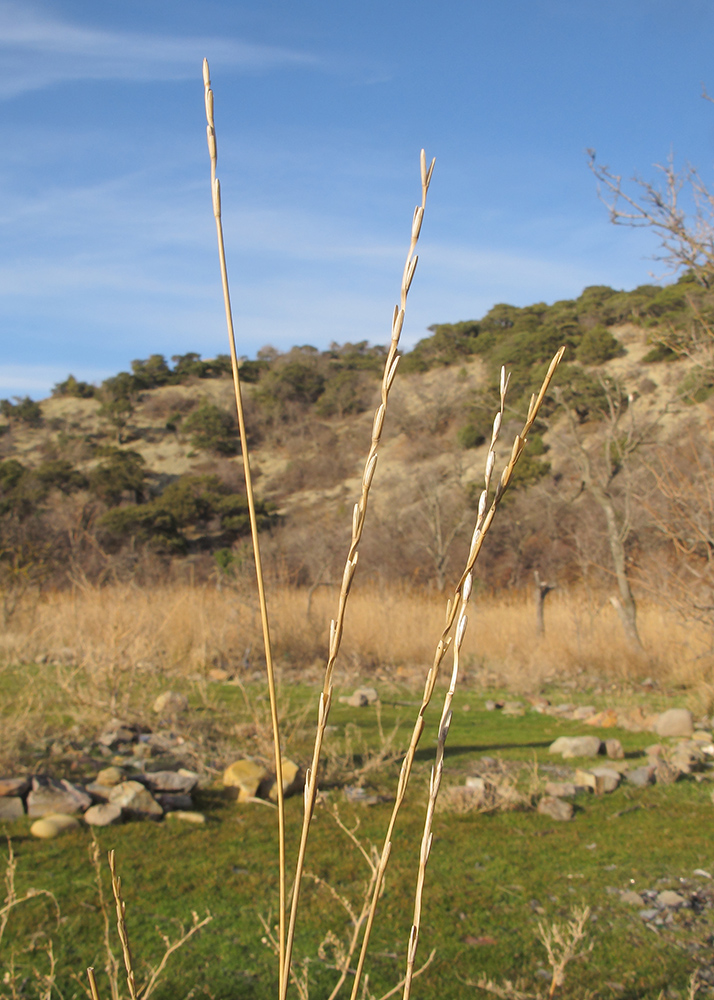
[484,520]
[216,194]
[359,515]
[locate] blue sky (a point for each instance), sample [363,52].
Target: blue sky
[107,251]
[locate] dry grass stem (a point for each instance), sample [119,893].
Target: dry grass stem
[216,194]
[561,942]
[358,520]
[121,927]
[483,523]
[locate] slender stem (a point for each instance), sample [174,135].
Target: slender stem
[92,984]
[453,609]
[216,192]
[359,515]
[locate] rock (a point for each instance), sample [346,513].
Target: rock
[603,720]
[586,780]
[245,776]
[170,781]
[641,776]
[563,789]
[700,735]
[105,814]
[61,797]
[514,708]
[11,808]
[584,712]
[555,808]
[613,749]
[173,801]
[170,703]
[99,793]
[360,796]
[576,746]
[648,914]
[14,786]
[607,779]
[635,720]
[361,698]
[654,751]
[109,776]
[135,800]
[187,817]
[292,781]
[631,897]
[116,733]
[670,899]
[52,825]
[675,722]
[666,773]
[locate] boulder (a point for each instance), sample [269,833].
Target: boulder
[99,793]
[555,808]
[562,789]
[11,808]
[61,797]
[135,800]
[631,897]
[244,777]
[170,703]
[292,781]
[105,814]
[614,750]
[675,722]
[576,746]
[670,899]
[52,825]
[14,786]
[603,720]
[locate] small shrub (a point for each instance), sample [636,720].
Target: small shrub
[597,346]
[212,429]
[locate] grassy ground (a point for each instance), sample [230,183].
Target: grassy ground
[490,877]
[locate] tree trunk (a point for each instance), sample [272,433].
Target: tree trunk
[542,589]
[625,603]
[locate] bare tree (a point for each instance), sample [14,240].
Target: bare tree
[606,469]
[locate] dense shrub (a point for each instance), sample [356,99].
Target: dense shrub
[212,429]
[26,410]
[597,346]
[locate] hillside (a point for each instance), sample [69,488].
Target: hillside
[140,476]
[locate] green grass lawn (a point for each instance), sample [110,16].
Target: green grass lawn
[491,878]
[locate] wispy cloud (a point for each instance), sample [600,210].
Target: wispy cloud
[38,49]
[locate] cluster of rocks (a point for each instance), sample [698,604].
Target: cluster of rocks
[672,722]
[690,751]
[110,798]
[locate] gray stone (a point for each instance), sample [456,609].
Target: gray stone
[116,732]
[576,746]
[641,776]
[11,808]
[670,899]
[584,712]
[675,722]
[105,814]
[631,897]
[99,793]
[361,698]
[666,772]
[171,703]
[613,749]
[555,808]
[50,796]
[607,779]
[135,800]
[561,789]
[197,818]
[170,781]
[649,914]
[14,786]
[171,801]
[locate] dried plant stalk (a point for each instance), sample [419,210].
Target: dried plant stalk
[92,984]
[216,193]
[358,519]
[483,522]
[121,927]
